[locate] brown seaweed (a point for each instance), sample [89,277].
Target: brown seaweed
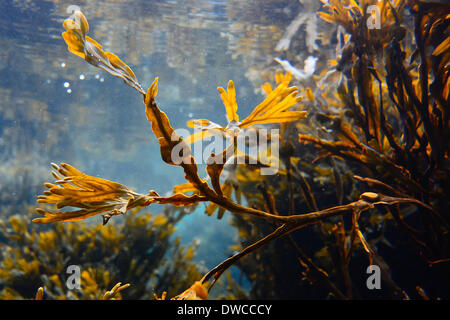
[410,164]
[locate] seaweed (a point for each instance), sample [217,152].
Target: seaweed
[391,127]
[139,250]
[388,126]
[401,131]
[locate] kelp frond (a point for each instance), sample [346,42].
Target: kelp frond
[274,109]
[196,292]
[229,100]
[90,50]
[90,194]
[39,294]
[371,144]
[114,292]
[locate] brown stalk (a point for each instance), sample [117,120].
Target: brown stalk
[368,200]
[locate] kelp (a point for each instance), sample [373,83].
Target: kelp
[196,292]
[92,195]
[374,143]
[399,136]
[274,109]
[90,50]
[411,160]
[140,251]
[95,195]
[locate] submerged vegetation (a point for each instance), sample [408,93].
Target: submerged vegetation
[383,127]
[137,250]
[364,173]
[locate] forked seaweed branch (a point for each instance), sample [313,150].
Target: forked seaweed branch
[400,139]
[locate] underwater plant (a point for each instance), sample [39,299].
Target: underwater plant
[87,48]
[382,125]
[400,140]
[399,110]
[139,250]
[274,109]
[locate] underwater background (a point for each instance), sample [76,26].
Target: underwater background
[68,110]
[55,108]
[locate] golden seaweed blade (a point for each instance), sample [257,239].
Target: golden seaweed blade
[207,129]
[113,294]
[39,294]
[91,195]
[275,108]
[90,50]
[196,292]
